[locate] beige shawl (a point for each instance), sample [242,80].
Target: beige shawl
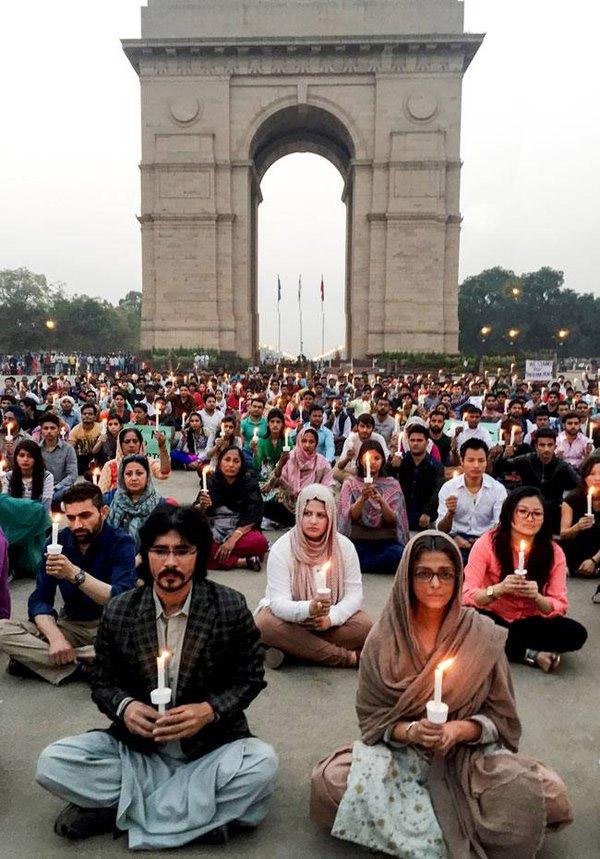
[486,806]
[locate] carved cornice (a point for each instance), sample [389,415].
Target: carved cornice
[269,56]
[183,220]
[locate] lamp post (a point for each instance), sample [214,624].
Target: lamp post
[561,335]
[484,333]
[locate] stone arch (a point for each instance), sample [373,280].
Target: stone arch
[300,128]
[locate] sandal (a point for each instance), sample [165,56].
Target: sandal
[253,563]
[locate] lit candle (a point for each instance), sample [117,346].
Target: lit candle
[590,429]
[162,694]
[455,473]
[368,478]
[205,471]
[287,446]
[521,571]
[255,434]
[96,476]
[397,423]
[513,432]
[157,417]
[183,418]
[9,436]
[321,580]
[590,501]
[55,524]
[439,676]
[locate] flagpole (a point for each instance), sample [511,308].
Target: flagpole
[278,315]
[300,310]
[322,322]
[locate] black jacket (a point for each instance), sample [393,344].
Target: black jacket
[221,662]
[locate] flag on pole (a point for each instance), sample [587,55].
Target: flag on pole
[278,289]
[322,290]
[300,288]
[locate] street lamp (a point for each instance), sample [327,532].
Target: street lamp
[562,334]
[513,333]
[485,332]
[516,292]
[50,324]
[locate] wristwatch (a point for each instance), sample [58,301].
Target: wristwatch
[79,578]
[489,592]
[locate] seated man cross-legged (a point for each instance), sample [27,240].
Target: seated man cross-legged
[195,771]
[96,562]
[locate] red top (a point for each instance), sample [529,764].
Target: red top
[483,570]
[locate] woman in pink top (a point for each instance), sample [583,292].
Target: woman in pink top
[531,607]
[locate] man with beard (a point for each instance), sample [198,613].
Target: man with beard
[97,562]
[193,772]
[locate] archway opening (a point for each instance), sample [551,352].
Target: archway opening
[302,235]
[304,155]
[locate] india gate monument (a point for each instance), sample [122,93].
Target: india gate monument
[230,86]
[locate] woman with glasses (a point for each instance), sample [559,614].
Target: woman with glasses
[293,618]
[410,787]
[533,606]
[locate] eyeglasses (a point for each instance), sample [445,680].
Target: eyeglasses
[535,515]
[443,577]
[178,551]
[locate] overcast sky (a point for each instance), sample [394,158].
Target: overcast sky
[69,150]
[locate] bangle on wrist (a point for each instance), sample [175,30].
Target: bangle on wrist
[407,731]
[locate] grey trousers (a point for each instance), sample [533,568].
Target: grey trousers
[22,640]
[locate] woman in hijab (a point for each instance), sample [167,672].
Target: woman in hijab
[131,442]
[459,788]
[304,466]
[234,508]
[135,498]
[293,618]
[372,513]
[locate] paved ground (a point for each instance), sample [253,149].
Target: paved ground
[304,713]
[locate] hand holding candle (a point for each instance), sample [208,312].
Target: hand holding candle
[368,478]
[161,696]
[54,547]
[286,445]
[521,571]
[590,501]
[9,435]
[205,471]
[157,417]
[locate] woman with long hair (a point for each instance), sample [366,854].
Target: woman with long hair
[293,618]
[106,446]
[29,477]
[234,508]
[191,449]
[532,606]
[579,530]
[269,459]
[372,512]
[412,787]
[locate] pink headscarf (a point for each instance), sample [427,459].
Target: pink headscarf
[304,468]
[311,553]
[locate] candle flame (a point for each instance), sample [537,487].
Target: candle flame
[165,654]
[455,473]
[522,546]
[592,491]
[445,664]
[56,518]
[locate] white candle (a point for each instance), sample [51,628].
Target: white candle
[590,501]
[9,436]
[513,432]
[205,471]
[455,473]
[368,478]
[590,429]
[439,674]
[321,577]
[96,476]
[161,669]
[397,423]
[255,434]
[183,418]
[157,417]
[286,446]
[55,523]
[521,564]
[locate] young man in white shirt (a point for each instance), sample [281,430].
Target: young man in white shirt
[470,504]
[471,415]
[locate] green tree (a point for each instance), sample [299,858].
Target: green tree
[25,301]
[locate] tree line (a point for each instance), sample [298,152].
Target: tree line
[500,313]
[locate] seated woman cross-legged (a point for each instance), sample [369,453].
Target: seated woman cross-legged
[372,513]
[234,508]
[293,618]
[303,467]
[459,787]
[580,531]
[533,606]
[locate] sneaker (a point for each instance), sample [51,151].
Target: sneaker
[76,823]
[274,658]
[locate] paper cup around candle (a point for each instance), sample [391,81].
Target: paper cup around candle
[522,573]
[161,697]
[324,594]
[437,713]
[54,549]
